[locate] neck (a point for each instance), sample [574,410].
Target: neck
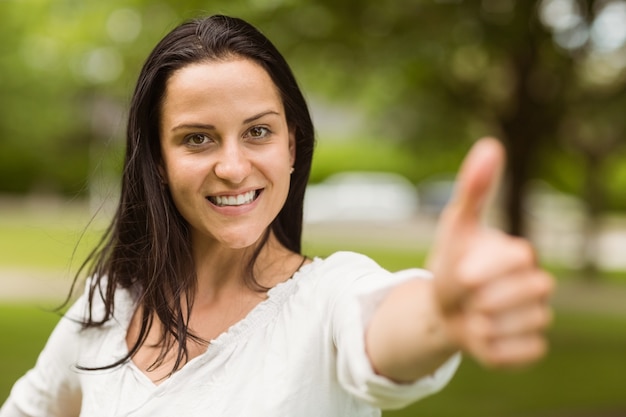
[221,271]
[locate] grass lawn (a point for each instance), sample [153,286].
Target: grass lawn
[24,329]
[55,241]
[583,375]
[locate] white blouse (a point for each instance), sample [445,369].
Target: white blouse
[299,353]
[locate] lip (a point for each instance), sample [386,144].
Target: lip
[233,201]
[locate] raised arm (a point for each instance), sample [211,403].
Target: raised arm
[488,297]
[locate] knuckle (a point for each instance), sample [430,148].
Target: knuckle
[539,319]
[535,350]
[497,358]
[543,284]
[524,251]
[480,328]
[523,353]
[547,318]
[549,283]
[471,273]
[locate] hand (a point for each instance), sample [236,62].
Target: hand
[491,292]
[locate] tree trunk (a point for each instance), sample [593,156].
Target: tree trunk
[521,131]
[516,176]
[532,114]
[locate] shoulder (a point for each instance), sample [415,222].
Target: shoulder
[345,272]
[346,260]
[350,274]
[96,299]
[353,265]
[338,270]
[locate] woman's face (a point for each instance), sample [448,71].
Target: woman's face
[227,150]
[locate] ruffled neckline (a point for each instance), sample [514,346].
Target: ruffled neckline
[259,316]
[263,311]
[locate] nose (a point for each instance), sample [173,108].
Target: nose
[232,163]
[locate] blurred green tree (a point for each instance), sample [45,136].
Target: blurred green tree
[435,75]
[545,76]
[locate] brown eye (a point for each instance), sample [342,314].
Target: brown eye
[258,132]
[196,139]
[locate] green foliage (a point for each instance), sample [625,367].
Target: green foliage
[615,169]
[416,163]
[363,155]
[433,76]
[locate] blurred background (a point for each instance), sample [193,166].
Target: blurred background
[399,90]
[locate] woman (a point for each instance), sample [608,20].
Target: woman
[200,301]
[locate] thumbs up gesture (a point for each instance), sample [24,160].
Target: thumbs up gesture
[489,289]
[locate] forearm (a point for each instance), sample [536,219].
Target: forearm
[406,338]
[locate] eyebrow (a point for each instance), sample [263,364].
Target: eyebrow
[260,115]
[211,127]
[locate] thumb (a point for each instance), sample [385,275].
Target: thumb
[460,221]
[477,180]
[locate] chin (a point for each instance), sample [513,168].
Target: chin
[242,242]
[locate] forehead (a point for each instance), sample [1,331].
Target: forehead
[221,82]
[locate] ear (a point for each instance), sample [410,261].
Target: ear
[292,146]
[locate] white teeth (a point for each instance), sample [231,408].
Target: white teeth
[232,200]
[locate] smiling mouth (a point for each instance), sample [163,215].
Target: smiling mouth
[234,200]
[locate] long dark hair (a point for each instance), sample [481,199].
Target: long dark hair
[147,246]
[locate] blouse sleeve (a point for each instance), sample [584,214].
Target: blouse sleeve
[51,388]
[368,284]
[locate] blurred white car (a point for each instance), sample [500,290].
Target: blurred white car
[361,196]
[435,192]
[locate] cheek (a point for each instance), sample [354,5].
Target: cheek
[184,182]
[181,178]
[280,172]
[182,168]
